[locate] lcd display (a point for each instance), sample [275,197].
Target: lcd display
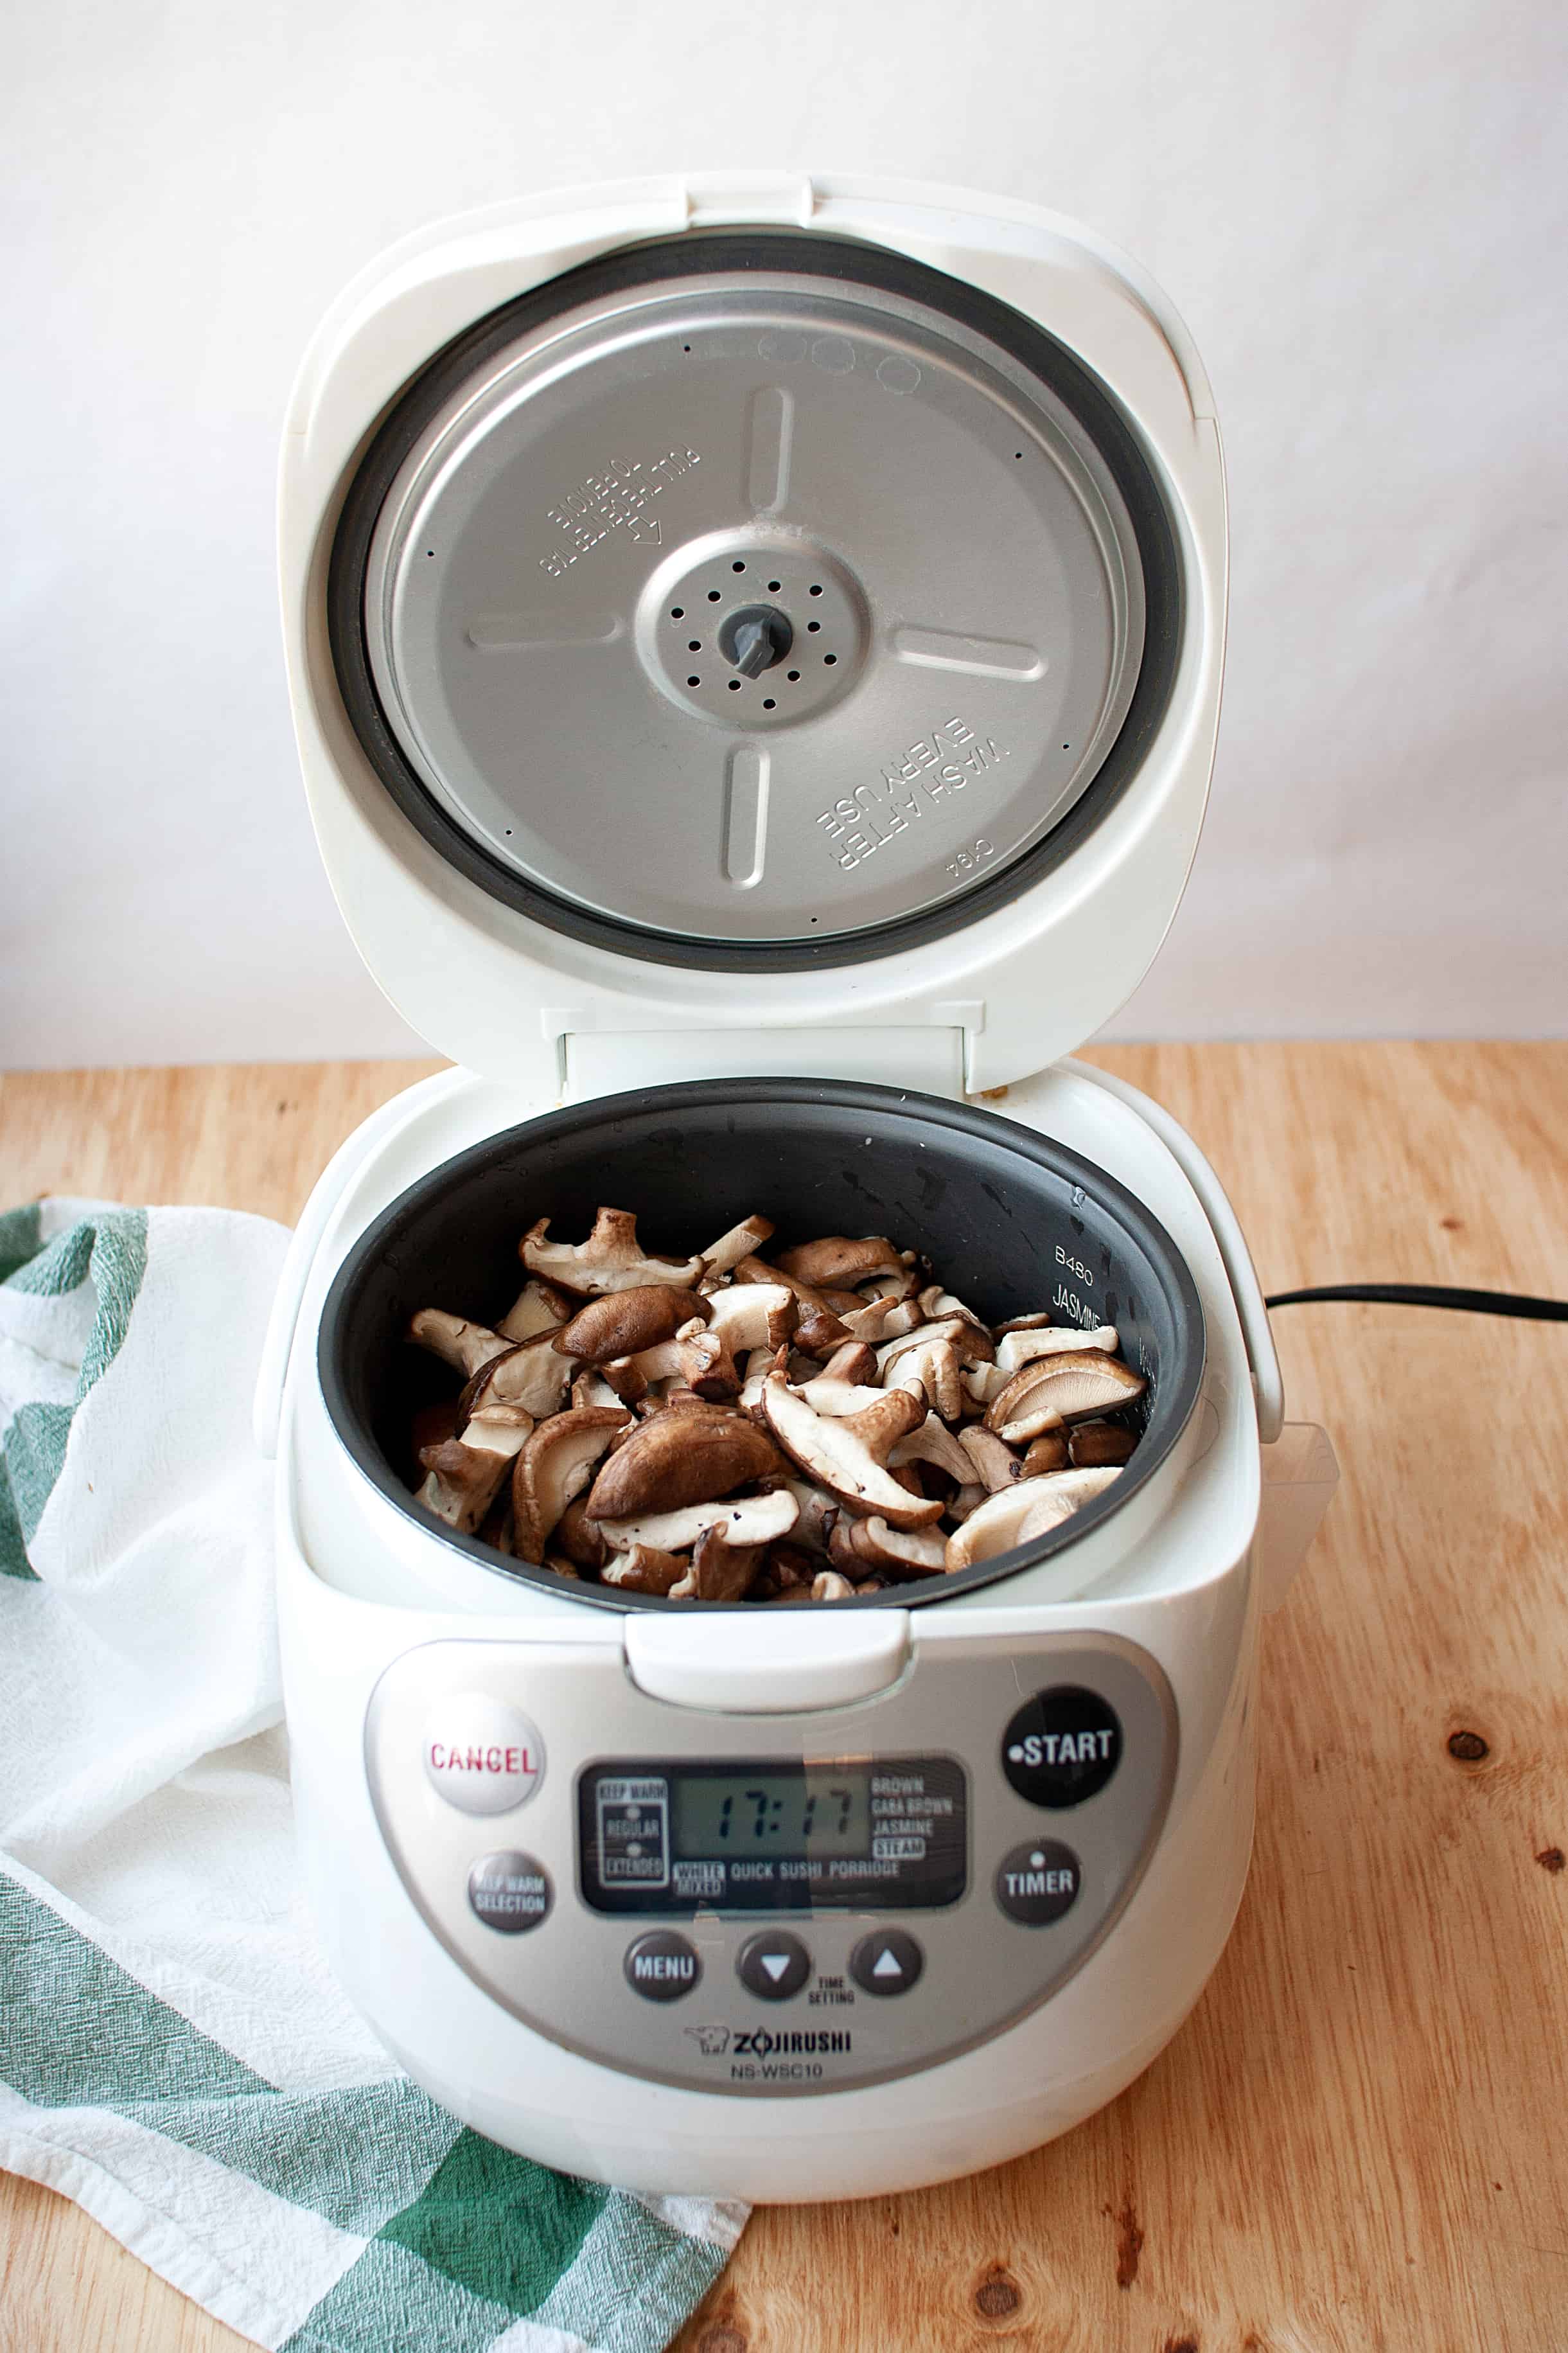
[772,1834]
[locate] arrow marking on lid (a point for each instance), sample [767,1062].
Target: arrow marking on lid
[539,633]
[886,1964]
[982,657]
[745,816]
[776,1965]
[770,432]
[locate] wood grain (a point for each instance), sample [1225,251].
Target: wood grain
[1356,2145]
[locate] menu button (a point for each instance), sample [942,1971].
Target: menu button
[661,1967]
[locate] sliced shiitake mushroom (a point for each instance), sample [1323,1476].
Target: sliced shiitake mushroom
[719,1570]
[610,1260]
[743,1241]
[622,1323]
[1017,1348]
[538,1306]
[643,1569]
[532,1375]
[1073,1387]
[676,1459]
[466,1347]
[1094,1443]
[1019,1514]
[750,1519]
[847,1454]
[836,1261]
[554,1465]
[860,1547]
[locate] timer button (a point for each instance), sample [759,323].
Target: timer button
[662,1966]
[774,1964]
[1039,1881]
[889,1962]
[509,1891]
[1062,1747]
[482,1756]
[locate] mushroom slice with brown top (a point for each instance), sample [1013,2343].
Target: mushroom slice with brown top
[750,1519]
[610,1260]
[538,1307]
[934,1366]
[1095,1443]
[698,1357]
[468,1347]
[1071,1388]
[1033,1322]
[553,1467]
[645,1570]
[578,1536]
[1019,1515]
[756,1270]
[994,1464]
[1046,1453]
[719,1570]
[592,1389]
[759,1364]
[754,1314]
[820,1513]
[464,1476]
[832,1587]
[820,1334]
[884,1319]
[950,1328]
[862,1546]
[934,1442]
[676,1459]
[623,1323]
[853,1363]
[847,1454]
[743,1241]
[532,1375]
[1019,1348]
[837,1398]
[839,1262]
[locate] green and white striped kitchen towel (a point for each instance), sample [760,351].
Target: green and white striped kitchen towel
[174,2054]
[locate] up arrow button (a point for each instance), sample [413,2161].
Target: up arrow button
[887,1963]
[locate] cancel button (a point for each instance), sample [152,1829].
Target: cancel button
[661,1967]
[1038,1882]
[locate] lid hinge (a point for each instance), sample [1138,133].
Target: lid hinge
[927,1059]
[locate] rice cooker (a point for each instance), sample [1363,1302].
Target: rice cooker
[755,650]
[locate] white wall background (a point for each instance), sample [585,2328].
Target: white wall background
[1359,205]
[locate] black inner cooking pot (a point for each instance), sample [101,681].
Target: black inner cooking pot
[1004,1215]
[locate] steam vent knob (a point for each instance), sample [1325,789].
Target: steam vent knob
[755,639]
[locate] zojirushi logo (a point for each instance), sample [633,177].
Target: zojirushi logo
[763,2045]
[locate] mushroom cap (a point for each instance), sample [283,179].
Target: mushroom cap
[1017,1514]
[676,1459]
[623,1323]
[1018,1348]
[578,1536]
[820,1334]
[993,1464]
[1070,1387]
[610,1260]
[839,1262]
[1095,1443]
[847,1454]
[553,1467]
[1046,1453]
[750,1519]
[830,1585]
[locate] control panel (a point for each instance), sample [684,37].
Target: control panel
[786,1904]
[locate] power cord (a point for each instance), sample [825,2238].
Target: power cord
[1431,1294]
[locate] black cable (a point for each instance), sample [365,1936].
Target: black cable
[1432,1294]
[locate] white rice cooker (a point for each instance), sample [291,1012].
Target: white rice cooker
[756,649]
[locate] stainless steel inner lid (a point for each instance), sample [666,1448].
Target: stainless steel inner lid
[752,606]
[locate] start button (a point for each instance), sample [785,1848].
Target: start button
[481,1755]
[1062,1747]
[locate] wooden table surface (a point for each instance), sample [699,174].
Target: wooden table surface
[1359,2139]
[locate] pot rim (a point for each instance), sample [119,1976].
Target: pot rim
[1175,1389]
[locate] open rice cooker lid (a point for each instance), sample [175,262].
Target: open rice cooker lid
[763,602]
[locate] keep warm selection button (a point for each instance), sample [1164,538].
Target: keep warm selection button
[480,1754]
[1039,1881]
